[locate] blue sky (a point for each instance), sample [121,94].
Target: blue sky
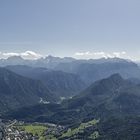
[78,28]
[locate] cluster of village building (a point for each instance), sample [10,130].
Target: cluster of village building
[8,131]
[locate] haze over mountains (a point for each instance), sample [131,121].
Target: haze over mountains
[62,84]
[88,70]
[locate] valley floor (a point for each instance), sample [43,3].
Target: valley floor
[18,130]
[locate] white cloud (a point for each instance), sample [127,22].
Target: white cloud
[10,54]
[119,54]
[83,53]
[96,55]
[25,55]
[30,55]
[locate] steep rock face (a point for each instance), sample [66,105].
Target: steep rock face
[62,84]
[17,91]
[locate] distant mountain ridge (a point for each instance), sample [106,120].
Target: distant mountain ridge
[52,62]
[88,70]
[48,62]
[91,72]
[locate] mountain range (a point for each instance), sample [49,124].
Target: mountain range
[69,92]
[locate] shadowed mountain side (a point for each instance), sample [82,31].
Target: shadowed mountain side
[17,91]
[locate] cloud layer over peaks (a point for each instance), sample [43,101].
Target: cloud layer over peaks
[25,55]
[96,55]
